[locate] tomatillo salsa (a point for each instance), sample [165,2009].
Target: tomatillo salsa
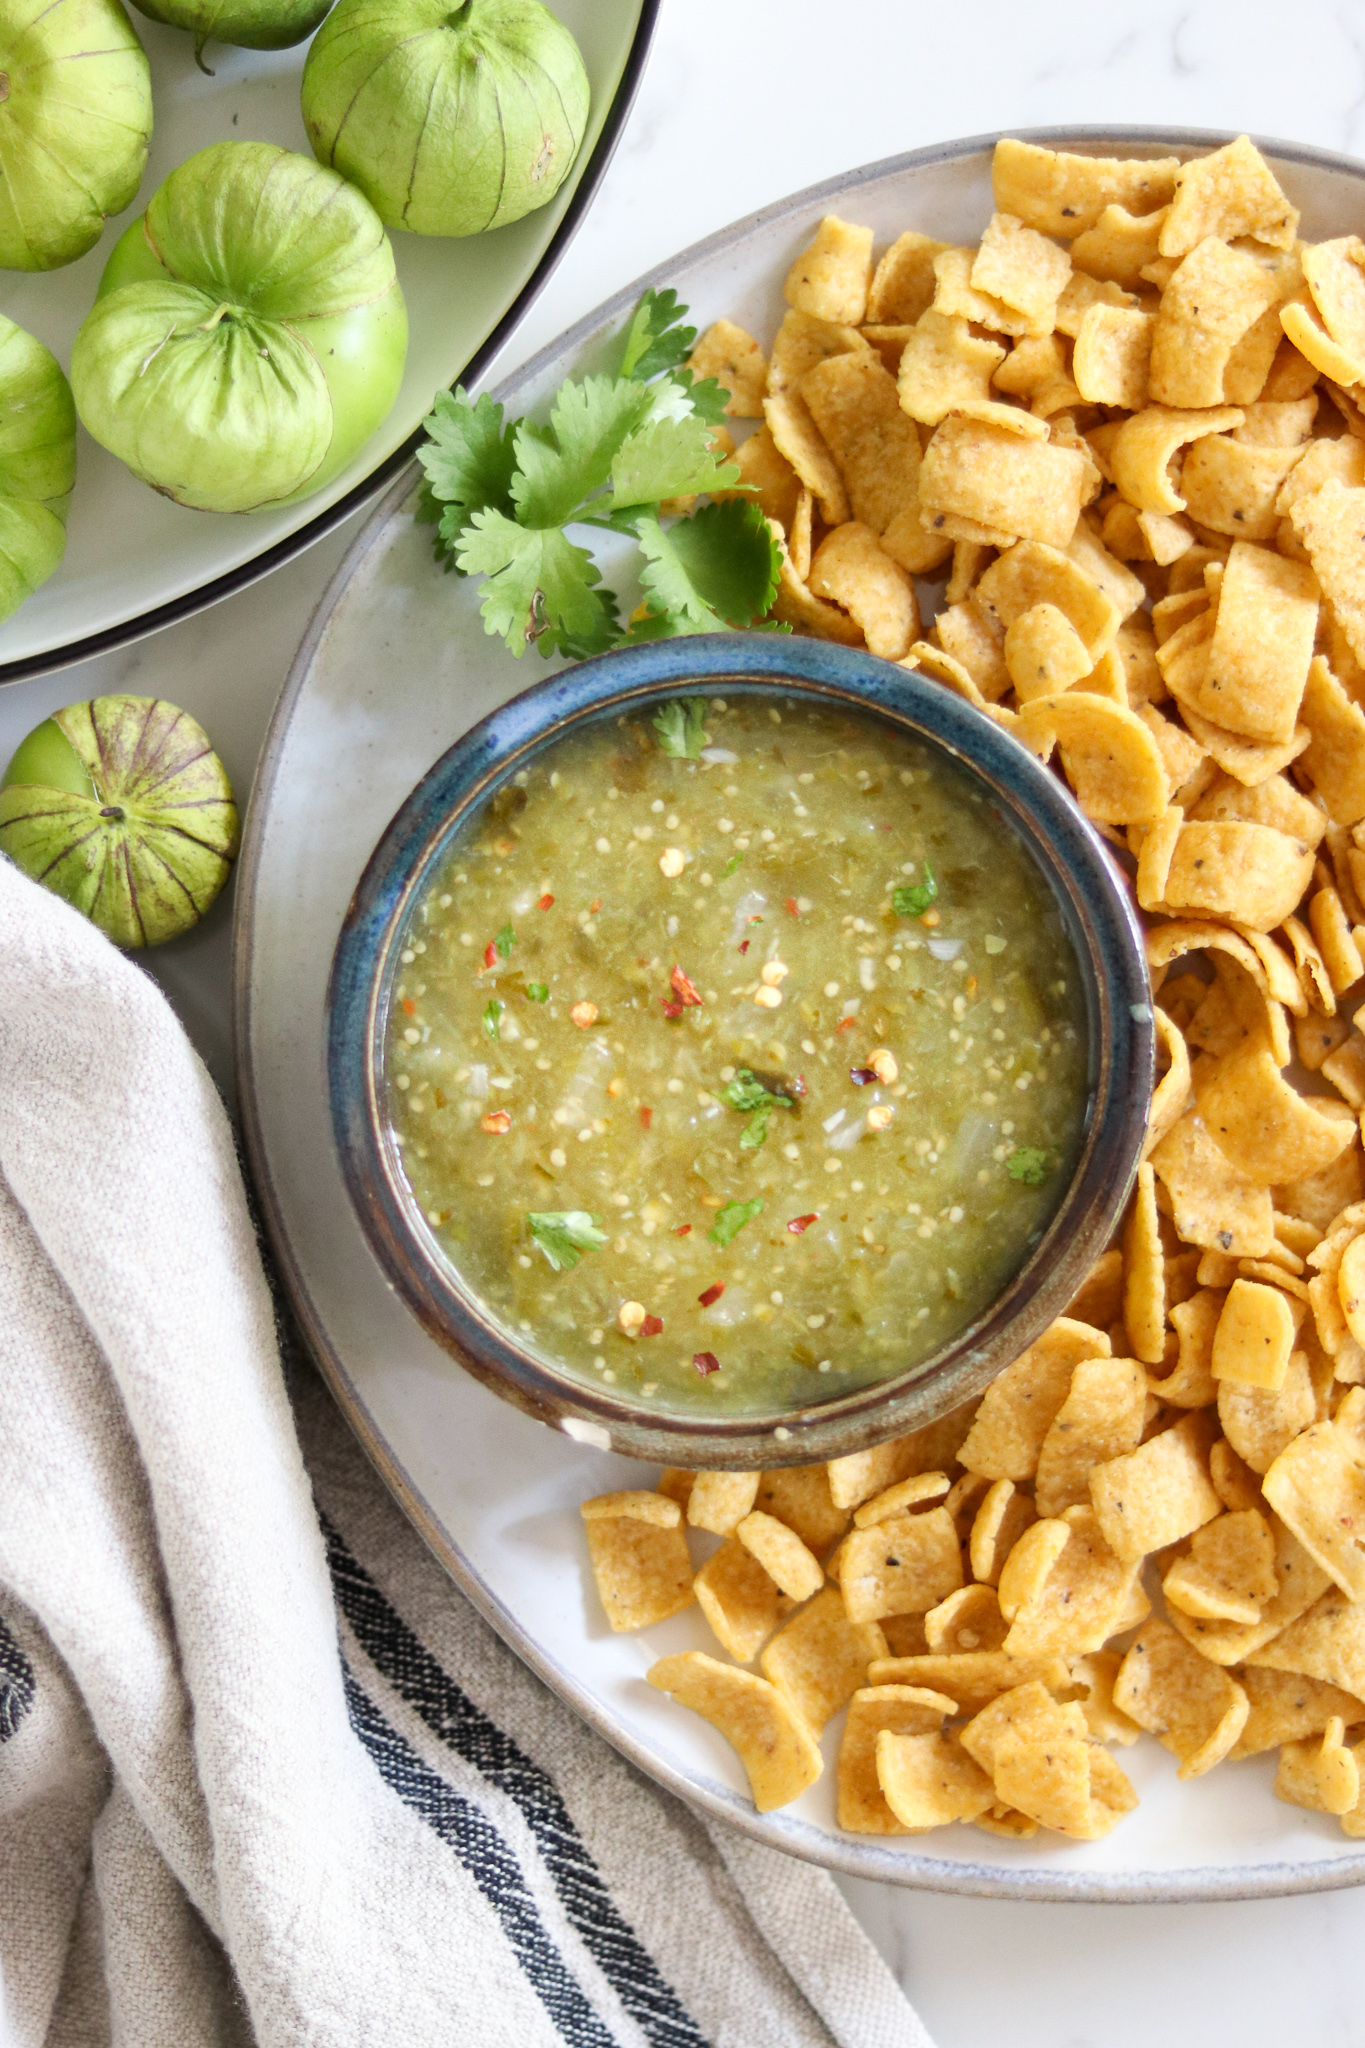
[737,1054]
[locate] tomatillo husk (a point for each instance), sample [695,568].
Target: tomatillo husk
[450,118]
[252,24]
[249,334]
[121,807]
[75,121]
[37,463]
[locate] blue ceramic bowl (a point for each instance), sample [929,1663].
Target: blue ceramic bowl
[1098,916]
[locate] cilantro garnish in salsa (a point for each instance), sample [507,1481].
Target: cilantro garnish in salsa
[773,1071]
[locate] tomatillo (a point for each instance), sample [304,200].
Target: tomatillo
[75,121]
[252,24]
[249,333]
[121,806]
[37,463]
[451,119]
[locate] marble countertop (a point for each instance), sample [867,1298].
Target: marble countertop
[743,102]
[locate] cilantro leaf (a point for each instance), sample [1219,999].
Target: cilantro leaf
[504,942]
[655,339]
[1029,1164]
[914,898]
[469,459]
[735,860]
[746,1092]
[756,1130]
[559,467]
[666,459]
[680,727]
[492,1013]
[732,1218]
[537,991]
[540,586]
[565,1234]
[715,569]
[707,396]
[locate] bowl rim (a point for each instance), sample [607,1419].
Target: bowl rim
[1101,925]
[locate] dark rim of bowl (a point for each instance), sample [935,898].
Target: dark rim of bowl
[1100,923]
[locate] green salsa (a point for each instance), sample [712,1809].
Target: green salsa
[737,1055]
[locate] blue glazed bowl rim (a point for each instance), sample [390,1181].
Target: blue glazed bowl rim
[1105,935]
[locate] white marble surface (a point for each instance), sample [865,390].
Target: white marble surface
[745,100]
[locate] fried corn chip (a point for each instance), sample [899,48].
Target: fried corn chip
[1229,193]
[1144,1288]
[944,365]
[969,1619]
[1110,758]
[1044,653]
[1153,1496]
[677,1485]
[782,1554]
[1260,1422]
[973,1678]
[1232,488]
[1001,486]
[1323,1776]
[1260,1123]
[1096,1675]
[972,637]
[739,1599]
[1031,574]
[639,1560]
[903,282]
[1335,278]
[1213,1203]
[1318,1491]
[1191,1706]
[1119,247]
[771,1740]
[1301,1582]
[1000,1521]
[1043,1763]
[900,1498]
[1101,1417]
[1112,356]
[819,1658]
[719,1501]
[796,605]
[1321,459]
[854,405]
[1229,1572]
[830,279]
[737,363]
[1145,444]
[855,1478]
[1084,1596]
[1253,1342]
[1022,269]
[852,569]
[798,439]
[1215,295]
[1253,677]
[902,1566]
[929,1780]
[1287,1707]
[1325,1643]
[799,1495]
[1191,1383]
[873,1711]
[1330,523]
[1335,938]
[1019,1405]
[1061,193]
[767,477]
[957,296]
[1027,1568]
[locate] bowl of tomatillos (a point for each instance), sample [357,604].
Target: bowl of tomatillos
[738,1050]
[248,333]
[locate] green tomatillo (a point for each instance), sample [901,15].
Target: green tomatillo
[253,24]
[37,463]
[452,116]
[249,334]
[121,807]
[75,121]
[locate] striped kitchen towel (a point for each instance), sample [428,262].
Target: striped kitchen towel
[265,1775]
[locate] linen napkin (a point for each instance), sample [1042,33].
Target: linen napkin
[265,1776]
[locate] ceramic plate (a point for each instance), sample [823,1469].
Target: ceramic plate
[135,561]
[394,668]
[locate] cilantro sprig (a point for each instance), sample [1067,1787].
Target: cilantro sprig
[912,899]
[616,451]
[1029,1164]
[746,1092]
[680,726]
[564,1235]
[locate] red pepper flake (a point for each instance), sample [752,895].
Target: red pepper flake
[683,1230]
[651,1326]
[713,1293]
[800,1224]
[594,906]
[847,1024]
[544,902]
[646,1116]
[409,1007]
[706,1362]
[744,945]
[497,1123]
[490,954]
[860,1076]
[798,1086]
[793,906]
[685,989]
[671,1009]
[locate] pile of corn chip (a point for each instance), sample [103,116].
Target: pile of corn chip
[1129,431]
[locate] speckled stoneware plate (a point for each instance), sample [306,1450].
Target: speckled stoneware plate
[135,561]
[394,668]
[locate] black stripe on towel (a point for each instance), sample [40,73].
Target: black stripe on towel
[452,1716]
[18,1685]
[489,1861]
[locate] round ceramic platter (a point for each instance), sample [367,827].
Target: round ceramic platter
[394,668]
[135,561]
